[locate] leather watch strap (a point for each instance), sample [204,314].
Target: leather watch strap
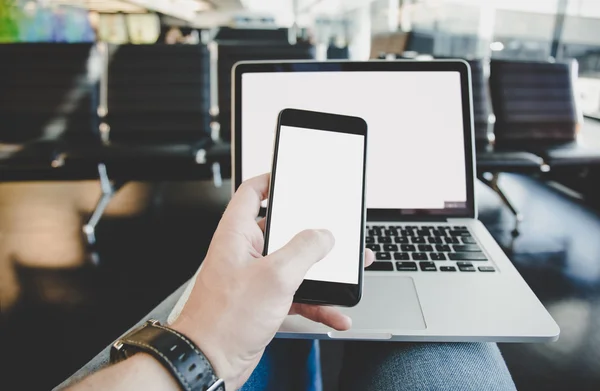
[175,351]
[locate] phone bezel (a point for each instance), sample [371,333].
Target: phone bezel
[314,291]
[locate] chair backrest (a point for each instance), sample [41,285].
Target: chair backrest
[420,42]
[337,53]
[238,36]
[158,93]
[481,103]
[228,55]
[48,91]
[534,103]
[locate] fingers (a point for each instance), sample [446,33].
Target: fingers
[369,257]
[329,316]
[246,200]
[262,223]
[304,250]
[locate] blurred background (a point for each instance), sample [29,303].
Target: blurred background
[115,129]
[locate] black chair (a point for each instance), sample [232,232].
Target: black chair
[337,53]
[488,159]
[48,99]
[230,53]
[535,108]
[422,42]
[156,122]
[273,36]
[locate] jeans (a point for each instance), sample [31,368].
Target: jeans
[290,365]
[387,366]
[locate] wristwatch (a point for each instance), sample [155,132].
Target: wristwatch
[180,356]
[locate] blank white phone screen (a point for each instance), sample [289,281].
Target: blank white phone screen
[319,185]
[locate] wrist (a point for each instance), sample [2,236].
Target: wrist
[151,373]
[209,346]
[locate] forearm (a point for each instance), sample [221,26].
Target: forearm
[140,372]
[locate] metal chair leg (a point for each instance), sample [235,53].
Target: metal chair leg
[216,171]
[493,183]
[109,190]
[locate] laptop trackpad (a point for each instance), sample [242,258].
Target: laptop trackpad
[388,303]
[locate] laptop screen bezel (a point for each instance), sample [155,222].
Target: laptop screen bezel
[459,66]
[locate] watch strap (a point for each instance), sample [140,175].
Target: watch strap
[174,351]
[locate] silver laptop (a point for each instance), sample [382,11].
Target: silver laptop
[439,274]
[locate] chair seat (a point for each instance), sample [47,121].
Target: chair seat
[141,161]
[121,152]
[508,161]
[39,154]
[572,154]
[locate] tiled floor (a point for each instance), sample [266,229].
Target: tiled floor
[56,302]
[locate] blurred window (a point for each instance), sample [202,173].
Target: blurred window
[534,30]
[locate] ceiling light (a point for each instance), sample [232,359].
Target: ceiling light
[497,46]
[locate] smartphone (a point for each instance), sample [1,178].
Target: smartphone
[318,182]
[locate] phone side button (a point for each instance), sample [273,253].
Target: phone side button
[361,336]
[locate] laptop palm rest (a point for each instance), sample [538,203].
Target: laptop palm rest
[388,306]
[387,303]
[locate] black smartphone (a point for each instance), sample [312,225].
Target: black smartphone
[318,182]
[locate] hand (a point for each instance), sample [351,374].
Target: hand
[240,298]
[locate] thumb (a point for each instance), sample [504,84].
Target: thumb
[304,250]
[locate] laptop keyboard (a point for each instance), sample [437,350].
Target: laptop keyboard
[441,248]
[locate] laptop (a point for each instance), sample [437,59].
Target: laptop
[438,275]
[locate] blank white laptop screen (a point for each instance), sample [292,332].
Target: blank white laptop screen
[416,152]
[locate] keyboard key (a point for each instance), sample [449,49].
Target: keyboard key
[447,269]
[372,232]
[369,240]
[381,266]
[383,256]
[466,248]
[384,239]
[412,227]
[437,257]
[401,240]
[459,233]
[486,269]
[438,233]
[460,228]
[420,256]
[442,227]
[442,247]
[378,227]
[374,247]
[408,247]
[467,257]
[434,240]
[468,240]
[391,232]
[423,232]
[466,268]
[427,266]
[425,247]
[390,247]
[427,227]
[450,240]
[406,232]
[406,266]
[418,240]
[459,264]
[401,256]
